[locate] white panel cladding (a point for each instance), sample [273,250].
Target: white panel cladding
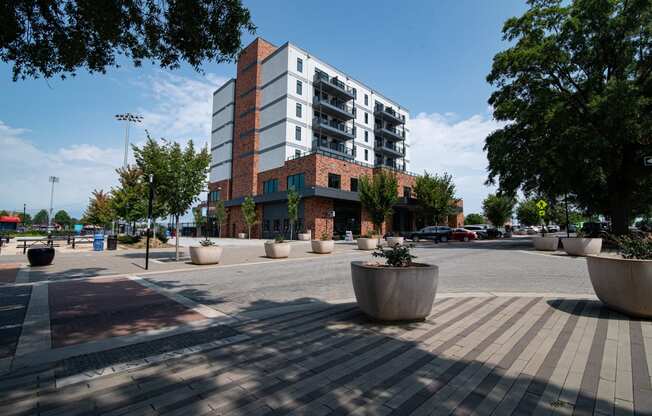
[223,117]
[224,96]
[273,136]
[273,113]
[220,172]
[274,90]
[271,159]
[274,66]
[221,154]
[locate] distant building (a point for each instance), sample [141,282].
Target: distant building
[9,223]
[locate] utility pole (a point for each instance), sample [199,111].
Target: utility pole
[149,218]
[128,118]
[53,179]
[24,214]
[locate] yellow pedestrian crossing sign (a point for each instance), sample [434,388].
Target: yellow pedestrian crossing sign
[542,212]
[541,204]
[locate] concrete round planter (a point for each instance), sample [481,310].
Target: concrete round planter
[582,246]
[367,243]
[275,250]
[322,246]
[622,284]
[395,293]
[242,235]
[304,236]
[205,254]
[394,241]
[545,243]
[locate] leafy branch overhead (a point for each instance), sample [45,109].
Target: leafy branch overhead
[61,37]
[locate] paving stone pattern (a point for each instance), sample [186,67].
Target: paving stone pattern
[13,305]
[473,355]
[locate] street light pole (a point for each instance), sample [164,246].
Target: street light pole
[53,179]
[149,218]
[128,118]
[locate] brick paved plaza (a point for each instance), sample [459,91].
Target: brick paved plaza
[251,339]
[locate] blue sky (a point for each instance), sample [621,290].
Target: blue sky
[431,56]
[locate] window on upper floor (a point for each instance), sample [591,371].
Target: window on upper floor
[270,186]
[297,153]
[366,136]
[334,181]
[354,184]
[366,118]
[355,93]
[299,87]
[366,99]
[296,182]
[366,155]
[298,110]
[297,133]
[299,65]
[214,196]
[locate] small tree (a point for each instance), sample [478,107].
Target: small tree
[220,216]
[99,211]
[200,219]
[293,208]
[25,219]
[62,218]
[378,195]
[4,213]
[129,199]
[249,213]
[435,197]
[473,218]
[498,209]
[527,212]
[41,217]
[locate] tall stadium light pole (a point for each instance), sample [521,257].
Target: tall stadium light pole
[128,118]
[53,179]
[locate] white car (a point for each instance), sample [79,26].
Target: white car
[553,228]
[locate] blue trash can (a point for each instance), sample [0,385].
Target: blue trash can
[98,242]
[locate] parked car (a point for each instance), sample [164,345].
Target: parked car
[461,234]
[479,230]
[553,228]
[595,229]
[494,233]
[435,233]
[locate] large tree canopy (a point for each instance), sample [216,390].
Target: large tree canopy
[435,197]
[46,38]
[575,89]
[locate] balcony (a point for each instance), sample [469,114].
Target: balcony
[334,108]
[388,114]
[392,164]
[333,128]
[390,148]
[332,86]
[389,132]
[334,148]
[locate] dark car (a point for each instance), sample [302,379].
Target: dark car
[595,229]
[494,233]
[435,233]
[479,230]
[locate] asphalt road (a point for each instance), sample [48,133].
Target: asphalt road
[500,266]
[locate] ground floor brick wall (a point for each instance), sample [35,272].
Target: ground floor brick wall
[317,218]
[367,226]
[235,223]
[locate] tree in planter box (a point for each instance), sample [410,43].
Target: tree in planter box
[249,214]
[378,195]
[293,208]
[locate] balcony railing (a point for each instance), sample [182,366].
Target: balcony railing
[335,108]
[388,114]
[390,147]
[389,132]
[334,128]
[332,84]
[333,147]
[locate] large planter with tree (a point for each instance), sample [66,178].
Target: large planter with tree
[324,246]
[248,209]
[378,194]
[207,253]
[277,248]
[40,256]
[398,290]
[579,246]
[545,243]
[624,283]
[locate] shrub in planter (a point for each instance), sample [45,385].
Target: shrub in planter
[207,253]
[277,248]
[399,290]
[394,240]
[323,246]
[624,282]
[128,239]
[40,255]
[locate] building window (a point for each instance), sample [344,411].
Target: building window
[296,182]
[277,226]
[270,186]
[298,111]
[366,99]
[297,133]
[297,153]
[366,136]
[366,118]
[334,181]
[299,87]
[407,192]
[354,184]
[214,196]
[366,155]
[299,65]
[355,93]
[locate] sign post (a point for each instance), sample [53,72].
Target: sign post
[541,204]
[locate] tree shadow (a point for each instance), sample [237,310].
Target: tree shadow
[41,274]
[318,358]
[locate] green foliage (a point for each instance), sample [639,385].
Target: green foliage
[279,238]
[574,89]
[62,218]
[249,213]
[635,247]
[62,37]
[293,208]
[220,214]
[25,219]
[498,209]
[199,218]
[473,218]
[378,195]
[99,211]
[396,256]
[160,236]
[528,213]
[128,239]
[435,197]
[4,213]
[152,159]
[206,242]
[41,218]
[326,236]
[129,199]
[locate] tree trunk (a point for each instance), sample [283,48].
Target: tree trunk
[249,232]
[291,228]
[619,207]
[176,240]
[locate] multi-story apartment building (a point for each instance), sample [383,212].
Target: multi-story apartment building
[290,120]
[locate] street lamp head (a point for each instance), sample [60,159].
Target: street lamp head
[133,118]
[54,179]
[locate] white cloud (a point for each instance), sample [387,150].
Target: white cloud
[445,143]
